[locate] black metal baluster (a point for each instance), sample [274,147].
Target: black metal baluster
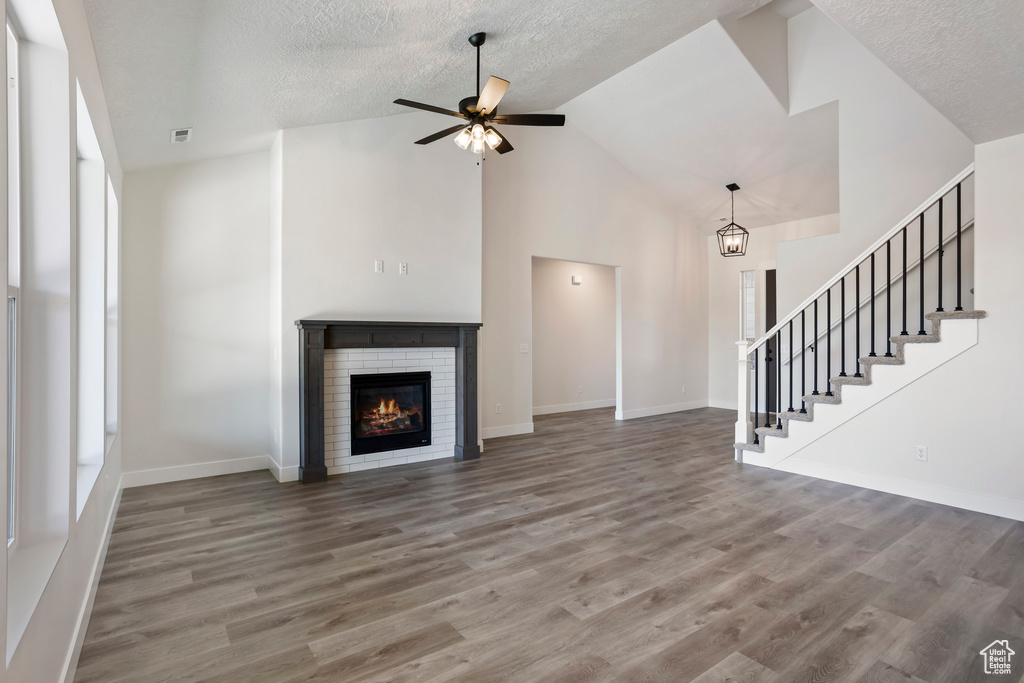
[791,366]
[815,344]
[856,339]
[872,295]
[922,275]
[757,353]
[939,309]
[888,298]
[767,382]
[904,332]
[828,341]
[778,379]
[842,327]
[803,361]
[959,252]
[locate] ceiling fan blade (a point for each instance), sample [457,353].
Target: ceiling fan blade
[530,119]
[492,93]
[505,145]
[429,107]
[443,134]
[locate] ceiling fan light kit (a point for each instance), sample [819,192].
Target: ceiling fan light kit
[732,239]
[480,111]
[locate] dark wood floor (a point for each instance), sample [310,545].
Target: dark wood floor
[590,550]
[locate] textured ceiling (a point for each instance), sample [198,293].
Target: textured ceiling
[239,70]
[966,57]
[718,123]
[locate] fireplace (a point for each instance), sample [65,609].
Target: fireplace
[390,411]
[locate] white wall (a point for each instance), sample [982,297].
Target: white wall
[361,191]
[895,149]
[196,254]
[50,641]
[724,293]
[965,412]
[561,196]
[573,336]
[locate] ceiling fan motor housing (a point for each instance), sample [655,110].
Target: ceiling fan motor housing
[468,106]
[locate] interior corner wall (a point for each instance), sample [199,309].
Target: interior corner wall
[274,327]
[561,196]
[361,191]
[895,149]
[573,336]
[964,411]
[723,296]
[196,354]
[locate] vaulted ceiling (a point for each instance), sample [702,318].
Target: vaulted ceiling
[718,122]
[239,70]
[660,84]
[966,57]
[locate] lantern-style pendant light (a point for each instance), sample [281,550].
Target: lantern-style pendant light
[732,239]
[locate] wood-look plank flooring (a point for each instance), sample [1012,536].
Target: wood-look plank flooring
[591,550]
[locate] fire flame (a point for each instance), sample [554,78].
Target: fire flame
[389,409]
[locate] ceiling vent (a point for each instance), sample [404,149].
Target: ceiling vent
[179,135]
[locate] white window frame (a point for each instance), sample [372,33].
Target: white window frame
[14,275]
[748,305]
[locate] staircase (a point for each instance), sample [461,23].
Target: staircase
[913,272]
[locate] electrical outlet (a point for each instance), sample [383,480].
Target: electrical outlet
[524,348]
[403,268]
[497,409]
[579,389]
[684,388]
[378,266]
[922,453]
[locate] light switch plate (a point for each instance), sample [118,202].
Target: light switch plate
[524,348]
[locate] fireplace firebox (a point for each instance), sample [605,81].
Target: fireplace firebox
[390,411]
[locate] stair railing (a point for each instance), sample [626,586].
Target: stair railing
[766,357]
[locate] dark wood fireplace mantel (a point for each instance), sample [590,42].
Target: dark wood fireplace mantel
[317,335]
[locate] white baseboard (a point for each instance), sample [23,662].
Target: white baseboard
[570,407]
[71,661]
[725,405]
[968,500]
[163,475]
[659,410]
[506,430]
[282,474]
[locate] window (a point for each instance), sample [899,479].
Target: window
[92,230]
[113,259]
[749,305]
[13,279]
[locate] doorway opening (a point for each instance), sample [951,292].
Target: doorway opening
[577,359]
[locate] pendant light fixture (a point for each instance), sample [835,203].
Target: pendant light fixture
[732,239]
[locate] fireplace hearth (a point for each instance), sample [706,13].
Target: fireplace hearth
[318,336]
[390,411]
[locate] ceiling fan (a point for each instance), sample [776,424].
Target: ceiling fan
[480,112]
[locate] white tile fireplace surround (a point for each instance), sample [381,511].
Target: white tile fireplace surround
[341,364]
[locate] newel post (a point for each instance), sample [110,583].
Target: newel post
[744,428]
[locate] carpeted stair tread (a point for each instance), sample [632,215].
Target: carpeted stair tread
[915,339]
[774,431]
[956,315]
[852,380]
[881,360]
